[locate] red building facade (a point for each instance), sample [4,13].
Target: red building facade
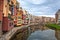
[7,24]
[1,15]
[8,11]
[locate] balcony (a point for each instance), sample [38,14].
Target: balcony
[17,7]
[19,17]
[11,8]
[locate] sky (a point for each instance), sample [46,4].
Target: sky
[41,7]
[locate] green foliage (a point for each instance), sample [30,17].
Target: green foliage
[9,16]
[53,26]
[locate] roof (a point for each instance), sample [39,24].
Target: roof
[58,12]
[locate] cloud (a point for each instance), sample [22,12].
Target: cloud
[48,15]
[40,7]
[22,3]
[36,1]
[40,10]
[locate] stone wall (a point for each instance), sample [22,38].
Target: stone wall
[57,34]
[21,34]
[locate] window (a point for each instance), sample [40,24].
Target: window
[11,24]
[19,21]
[15,18]
[8,1]
[11,8]
[19,17]
[17,6]
[9,16]
[12,11]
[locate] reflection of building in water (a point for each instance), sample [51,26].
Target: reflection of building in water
[43,35]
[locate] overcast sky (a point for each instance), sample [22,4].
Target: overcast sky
[41,7]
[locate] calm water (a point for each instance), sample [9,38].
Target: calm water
[43,35]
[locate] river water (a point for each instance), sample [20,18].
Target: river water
[43,35]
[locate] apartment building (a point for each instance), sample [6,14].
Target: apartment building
[24,17]
[28,18]
[57,17]
[8,11]
[19,16]
[31,18]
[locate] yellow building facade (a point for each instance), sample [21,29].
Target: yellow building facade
[19,17]
[6,6]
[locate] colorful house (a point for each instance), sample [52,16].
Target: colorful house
[19,17]
[57,17]
[15,12]
[15,16]
[25,17]
[8,11]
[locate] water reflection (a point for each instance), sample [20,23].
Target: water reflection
[43,35]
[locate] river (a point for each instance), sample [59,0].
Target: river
[48,34]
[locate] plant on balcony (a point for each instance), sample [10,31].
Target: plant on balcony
[9,16]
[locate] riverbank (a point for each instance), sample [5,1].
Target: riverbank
[55,27]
